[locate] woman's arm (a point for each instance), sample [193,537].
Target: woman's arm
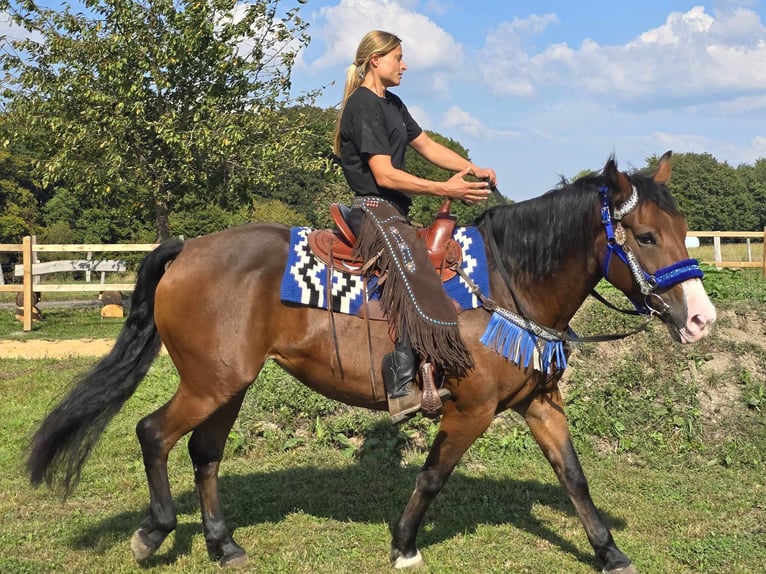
[443,157]
[386,175]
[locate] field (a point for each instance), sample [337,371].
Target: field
[672,440]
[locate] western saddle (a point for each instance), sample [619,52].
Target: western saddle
[335,247]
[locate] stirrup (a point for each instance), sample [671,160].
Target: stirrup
[431,401]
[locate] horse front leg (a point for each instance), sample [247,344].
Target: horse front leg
[457,432]
[206,447]
[547,421]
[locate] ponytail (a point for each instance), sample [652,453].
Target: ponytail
[375,43]
[354,77]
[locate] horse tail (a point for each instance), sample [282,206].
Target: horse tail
[68,434]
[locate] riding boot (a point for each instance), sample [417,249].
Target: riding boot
[399,379]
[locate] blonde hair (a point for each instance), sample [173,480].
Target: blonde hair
[374,43]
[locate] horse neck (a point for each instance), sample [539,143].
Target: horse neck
[548,288]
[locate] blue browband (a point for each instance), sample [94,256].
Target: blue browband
[662,279]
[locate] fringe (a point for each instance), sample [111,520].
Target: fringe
[435,339]
[522,347]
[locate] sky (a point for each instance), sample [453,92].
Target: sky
[542,89]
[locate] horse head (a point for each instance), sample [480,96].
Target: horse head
[645,255]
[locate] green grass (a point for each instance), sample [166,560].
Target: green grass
[73,322]
[730,251]
[312,486]
[300,502]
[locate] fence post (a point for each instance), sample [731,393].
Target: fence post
[26,259]
[717,249]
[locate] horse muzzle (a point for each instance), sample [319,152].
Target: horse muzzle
[691,318]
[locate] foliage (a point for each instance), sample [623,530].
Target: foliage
[142,103]
[744,285]
[19,213]
[712,195]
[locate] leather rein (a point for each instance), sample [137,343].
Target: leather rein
[611,220]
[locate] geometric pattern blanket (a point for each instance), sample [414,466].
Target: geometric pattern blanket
[305,279]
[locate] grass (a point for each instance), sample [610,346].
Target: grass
[730,251]
[312,486]
[59,323]
[310,508]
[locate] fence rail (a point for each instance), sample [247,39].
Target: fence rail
[747,235]
[32,269]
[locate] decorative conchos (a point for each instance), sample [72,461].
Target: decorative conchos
[619,234]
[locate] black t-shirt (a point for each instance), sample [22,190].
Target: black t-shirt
[372,125]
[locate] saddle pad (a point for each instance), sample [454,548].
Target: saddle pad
[305,279]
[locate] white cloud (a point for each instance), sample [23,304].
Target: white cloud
[421,116]
[504,62]
[342,26]
[11,31]
[692,55]
[456,119]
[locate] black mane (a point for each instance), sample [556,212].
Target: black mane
[536,236]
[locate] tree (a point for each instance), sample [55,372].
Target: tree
[755,181]
[142,102]
[712,195]
[19,212]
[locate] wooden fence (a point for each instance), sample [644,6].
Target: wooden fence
[30,269]
[747,235]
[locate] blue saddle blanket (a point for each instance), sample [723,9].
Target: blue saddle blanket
[305,279]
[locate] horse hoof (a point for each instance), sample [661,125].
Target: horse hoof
[629,569]
[400,562]
[141,550]
[236,561]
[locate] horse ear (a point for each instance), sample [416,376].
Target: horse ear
[617,181]
[662,175]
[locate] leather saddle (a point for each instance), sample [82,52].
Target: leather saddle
[334,247]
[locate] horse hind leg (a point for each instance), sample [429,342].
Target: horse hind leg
[157,434]
[206,448]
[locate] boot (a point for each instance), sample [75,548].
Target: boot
[399,380]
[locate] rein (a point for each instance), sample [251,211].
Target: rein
[611,218]
[520,319]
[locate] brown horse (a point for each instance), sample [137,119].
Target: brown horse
[546,255]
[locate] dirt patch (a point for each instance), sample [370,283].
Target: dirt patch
[43,348]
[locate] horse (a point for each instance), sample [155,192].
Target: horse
[545,256]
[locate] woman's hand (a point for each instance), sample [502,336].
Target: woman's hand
[470,191]
[484,173]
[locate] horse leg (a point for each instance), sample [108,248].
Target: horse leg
[206,447]
[457,431]
[547,421]
[157,434]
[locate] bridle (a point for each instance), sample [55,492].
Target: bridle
[649,284]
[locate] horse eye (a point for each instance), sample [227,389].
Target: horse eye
[646,239]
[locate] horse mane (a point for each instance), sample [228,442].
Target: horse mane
[536,236]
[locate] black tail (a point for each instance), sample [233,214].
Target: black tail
[66,437]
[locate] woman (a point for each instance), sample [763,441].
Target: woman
[373,131]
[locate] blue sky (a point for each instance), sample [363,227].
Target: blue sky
[546,88]
[541,89]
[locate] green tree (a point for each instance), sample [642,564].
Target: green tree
[142,103]
[712,195]
[754,177]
